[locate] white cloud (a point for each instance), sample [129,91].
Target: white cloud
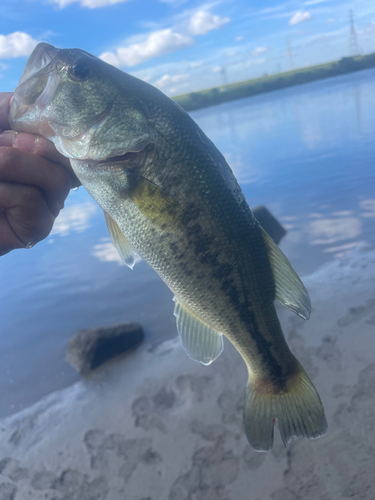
[196,64]
[16,44]
[157,43]
[239,38]
[202,22]
[202,76]
[313,2]
[174,3]
[322,38]
[167,80]
[331,20]
[163,41]
[299,17]
[74,218]
[277,8]
[173,85]
[199,75]
[93,4]
[147,78]
[231,52]
[258,50]
[369,29]
[90,4]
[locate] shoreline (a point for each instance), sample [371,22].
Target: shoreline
[239,90]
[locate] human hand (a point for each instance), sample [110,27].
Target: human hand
[35,180]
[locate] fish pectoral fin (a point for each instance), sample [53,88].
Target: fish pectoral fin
[201,342]
[290,290]
[119,241]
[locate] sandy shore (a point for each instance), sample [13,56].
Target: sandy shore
[157,426]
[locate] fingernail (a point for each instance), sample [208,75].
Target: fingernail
[26,142]
[7,137]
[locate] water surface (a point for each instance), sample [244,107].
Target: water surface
[307,153]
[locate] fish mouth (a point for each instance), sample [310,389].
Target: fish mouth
[33,111]
[121,158]
[130,161]
[34,92]
[41,56]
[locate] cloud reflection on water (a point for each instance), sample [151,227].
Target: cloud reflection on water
[368,205]
[106,252]
[327,231]
[243,171]
[74,218]
[311,133]
[341,251]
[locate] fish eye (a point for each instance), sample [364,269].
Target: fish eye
[80,70]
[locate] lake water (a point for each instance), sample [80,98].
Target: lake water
[306,153]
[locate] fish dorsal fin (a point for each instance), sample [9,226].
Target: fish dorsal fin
[119,241]
[290,290]
[200,341]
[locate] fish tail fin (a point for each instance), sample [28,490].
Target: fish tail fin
[296,406]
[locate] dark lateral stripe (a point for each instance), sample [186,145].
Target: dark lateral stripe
[248,317]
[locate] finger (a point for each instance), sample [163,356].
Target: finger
[34,143]
[25,217]
[38,145]
[27,168]
[4,109]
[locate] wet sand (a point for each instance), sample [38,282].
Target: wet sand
[155,425]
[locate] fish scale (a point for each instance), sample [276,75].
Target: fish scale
[169,196]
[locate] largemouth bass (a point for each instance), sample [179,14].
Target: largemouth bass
[169,196]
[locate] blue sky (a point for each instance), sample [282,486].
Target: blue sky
[180,45]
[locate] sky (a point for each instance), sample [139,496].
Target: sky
[182,46]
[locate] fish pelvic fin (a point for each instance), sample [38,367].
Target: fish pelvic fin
[296,406]
[201,342]
[119,241]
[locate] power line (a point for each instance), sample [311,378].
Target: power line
[353,40]
[224,75]
[290,52]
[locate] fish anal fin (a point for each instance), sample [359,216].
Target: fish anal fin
[201,342]
[290,290]
[119,241]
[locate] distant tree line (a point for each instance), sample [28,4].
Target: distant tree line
[217,95]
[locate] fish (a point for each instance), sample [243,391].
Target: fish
[169,196]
